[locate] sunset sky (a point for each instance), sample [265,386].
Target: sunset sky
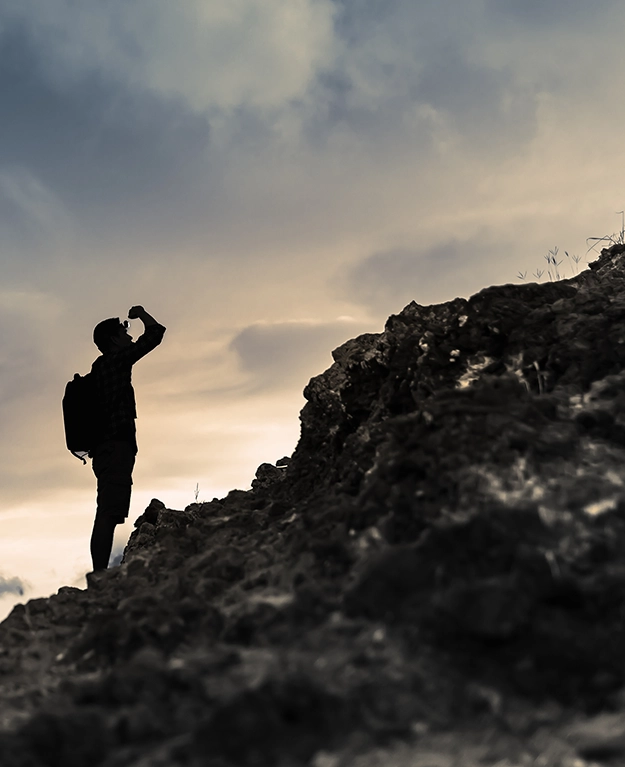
[268,178]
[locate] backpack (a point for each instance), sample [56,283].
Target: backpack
[81,415]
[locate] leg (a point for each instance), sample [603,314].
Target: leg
[102,541]
[113,463]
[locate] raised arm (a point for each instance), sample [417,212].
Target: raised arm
[151,337]
[139,313]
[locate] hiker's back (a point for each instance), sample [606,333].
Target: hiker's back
[112,374]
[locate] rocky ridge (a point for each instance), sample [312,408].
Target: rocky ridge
[435,577]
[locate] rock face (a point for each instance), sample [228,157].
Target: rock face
[437,573]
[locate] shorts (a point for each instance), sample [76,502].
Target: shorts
[113,462]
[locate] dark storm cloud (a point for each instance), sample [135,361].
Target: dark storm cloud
[486,106]
[287,352]
[355,18]
[414,71]
[554,12]
[11,586]
[97,146]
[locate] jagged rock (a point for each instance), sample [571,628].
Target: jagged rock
[151,513]
[444,551]
[266,475]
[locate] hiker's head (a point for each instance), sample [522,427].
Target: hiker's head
[111,334]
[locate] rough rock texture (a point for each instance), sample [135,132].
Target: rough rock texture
[436,577]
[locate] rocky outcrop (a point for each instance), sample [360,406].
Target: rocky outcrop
[437,573]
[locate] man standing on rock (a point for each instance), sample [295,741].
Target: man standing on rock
[114,453]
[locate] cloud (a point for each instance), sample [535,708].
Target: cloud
[556,12]
[278,354]
[30,212]
[117,554]
[25,355]
[388,280]
[34,328]
[220,54]
[73,155]
[483,107]
[11,586]
[168,126]
[283,71]
[413,79]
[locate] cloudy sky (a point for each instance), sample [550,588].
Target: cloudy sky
[268,178]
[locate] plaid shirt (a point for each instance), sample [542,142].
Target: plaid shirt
[113,375]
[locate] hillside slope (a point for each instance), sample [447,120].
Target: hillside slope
[435,577]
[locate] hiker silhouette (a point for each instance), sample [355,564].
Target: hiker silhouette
[113,454]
